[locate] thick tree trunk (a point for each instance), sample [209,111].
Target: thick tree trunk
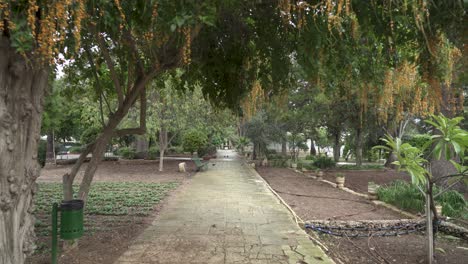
[22,91]
[313,151]
[336,147]
[359,147]
[141,147]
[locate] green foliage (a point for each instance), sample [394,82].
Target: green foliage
[41,152]
[116,198]
[409,158]
[193,140]
[297,141]
[402,195]
[175,150]
[421,141]
[90,134]
[323,162]
[241,143]
[408,197]
[306,164]
[449,138]
[207,150]
[153,153]
[76,149]
[279,162]
[127,152]
[362,167]
[373,155]
[310,157]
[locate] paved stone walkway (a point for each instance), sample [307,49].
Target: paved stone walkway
[226,215]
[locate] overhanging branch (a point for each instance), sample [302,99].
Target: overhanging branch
[110,64]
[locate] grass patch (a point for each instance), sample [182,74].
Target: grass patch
[108,198]
[362,167]
[406,196]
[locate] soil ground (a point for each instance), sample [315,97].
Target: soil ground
[312,199]
[357,180]
[110,235]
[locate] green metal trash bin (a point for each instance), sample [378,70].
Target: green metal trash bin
[71,219]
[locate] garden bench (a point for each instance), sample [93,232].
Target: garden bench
[200,165]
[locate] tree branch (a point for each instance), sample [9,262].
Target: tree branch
[133,47]
[139,130]
[110,64]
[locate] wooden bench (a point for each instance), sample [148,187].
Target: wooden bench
[200,165]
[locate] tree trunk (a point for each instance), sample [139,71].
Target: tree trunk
[336,147]
[429,231]
[141,147]
[391,158]
[50,158]
[162,146]
[313,151]
[22,91]
[97,155]
[284,150]
[98,147]
[359,147]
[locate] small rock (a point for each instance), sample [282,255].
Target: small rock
[182,167]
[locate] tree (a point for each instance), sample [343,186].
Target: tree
[241,143]
[129,43]
[297,142]
[194,140]
[449,142]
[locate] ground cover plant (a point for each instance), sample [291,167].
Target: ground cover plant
[407,197]
[362,167]
[111,207]
[109,198]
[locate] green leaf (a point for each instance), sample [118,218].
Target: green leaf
[456,146]
[438,150]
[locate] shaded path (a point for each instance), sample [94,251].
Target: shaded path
[226,215]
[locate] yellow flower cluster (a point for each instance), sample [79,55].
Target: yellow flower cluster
[253,101]
[50,28]
[187,49]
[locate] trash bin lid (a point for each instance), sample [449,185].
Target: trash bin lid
[75,204]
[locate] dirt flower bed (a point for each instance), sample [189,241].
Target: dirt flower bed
[123,201]
[312,199]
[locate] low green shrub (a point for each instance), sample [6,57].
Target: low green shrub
[275,156]
[76,149]
[175,150]
[279,163]
[41,152]
[127,153]
[310,157]
[421,141]
[306,164]
[362,167]
[407,197]
[153,153]
[323,162]
[207,150]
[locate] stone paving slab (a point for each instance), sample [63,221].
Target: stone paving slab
[226,215]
